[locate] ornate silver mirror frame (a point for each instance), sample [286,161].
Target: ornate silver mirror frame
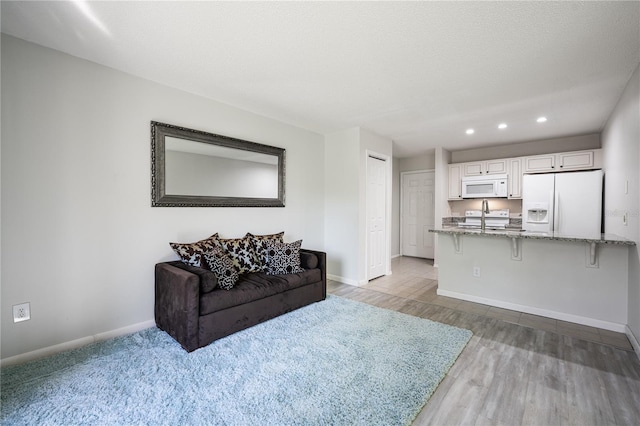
[192,168]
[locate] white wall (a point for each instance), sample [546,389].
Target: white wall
[79,238]
[442,160]
[345,203]
[621,157]
[342,202]
[419,162]
[395,218]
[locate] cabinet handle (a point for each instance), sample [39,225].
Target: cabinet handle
[561,166]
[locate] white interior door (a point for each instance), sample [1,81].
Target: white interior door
[418,214]
[376,216]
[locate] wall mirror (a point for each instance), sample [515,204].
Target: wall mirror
[191,168]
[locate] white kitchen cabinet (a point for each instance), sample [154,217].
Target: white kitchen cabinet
[489,167]
[576,160]
[539,163]
[455,181]
[515,178]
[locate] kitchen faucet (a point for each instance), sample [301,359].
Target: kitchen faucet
[485,209]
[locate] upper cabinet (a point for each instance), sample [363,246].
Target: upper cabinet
[490,167]
[515,178]
[577,160]
[516,167]
[539,163]
[455,182]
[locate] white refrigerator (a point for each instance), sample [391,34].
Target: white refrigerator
[568,203]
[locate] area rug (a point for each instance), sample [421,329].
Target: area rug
[336,362]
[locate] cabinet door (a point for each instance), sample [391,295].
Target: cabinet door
[575,160]
[539,163]
[496,167]
[455,182]
[515,178]
[473,169]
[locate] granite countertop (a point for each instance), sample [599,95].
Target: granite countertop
[518,233]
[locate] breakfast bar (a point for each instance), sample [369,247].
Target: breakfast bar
[580,279]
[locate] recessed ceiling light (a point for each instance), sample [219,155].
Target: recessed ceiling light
[470,131]
[502,126]
[541,119]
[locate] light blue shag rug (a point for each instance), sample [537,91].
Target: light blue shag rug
[337,362]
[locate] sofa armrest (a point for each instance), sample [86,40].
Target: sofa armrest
[208,280]
[177,304]
[322,265]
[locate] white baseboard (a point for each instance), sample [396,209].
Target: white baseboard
[342,280]
[74,344]
[592,322]
[633,340]
[395,255]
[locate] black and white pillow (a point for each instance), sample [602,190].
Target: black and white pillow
[241,252]
[222,266]
[259,243]
[283,258]
[191,253]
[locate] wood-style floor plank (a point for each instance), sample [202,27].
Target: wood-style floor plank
[510,374]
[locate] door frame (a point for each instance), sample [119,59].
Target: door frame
[402,175]
[388,209]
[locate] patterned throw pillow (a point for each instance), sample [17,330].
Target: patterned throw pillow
[241,252]
[259,243]
[191,253]
[222,266]
[283,258]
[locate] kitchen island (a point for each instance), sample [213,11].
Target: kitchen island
[580,279]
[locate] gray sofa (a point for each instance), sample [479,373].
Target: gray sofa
[191,308]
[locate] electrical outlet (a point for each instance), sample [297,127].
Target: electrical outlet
[476,271]
[21,312]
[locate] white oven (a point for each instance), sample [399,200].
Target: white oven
[491,186]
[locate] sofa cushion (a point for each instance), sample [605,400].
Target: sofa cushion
[241,252]
[283,258]
[255,286]
[222,266]
[259,243]
[208,280]
[191,253]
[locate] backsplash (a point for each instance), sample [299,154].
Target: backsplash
[458,207]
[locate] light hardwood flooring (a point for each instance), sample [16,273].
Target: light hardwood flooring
[517,368]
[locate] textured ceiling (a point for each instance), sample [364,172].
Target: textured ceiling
[419,73]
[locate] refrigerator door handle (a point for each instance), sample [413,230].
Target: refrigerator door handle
[556,212]
[550,212]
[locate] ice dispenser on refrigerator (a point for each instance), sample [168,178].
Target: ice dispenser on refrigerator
[537,214]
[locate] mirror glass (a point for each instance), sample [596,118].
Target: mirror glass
[194,168]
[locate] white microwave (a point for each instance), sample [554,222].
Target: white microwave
[491,186]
